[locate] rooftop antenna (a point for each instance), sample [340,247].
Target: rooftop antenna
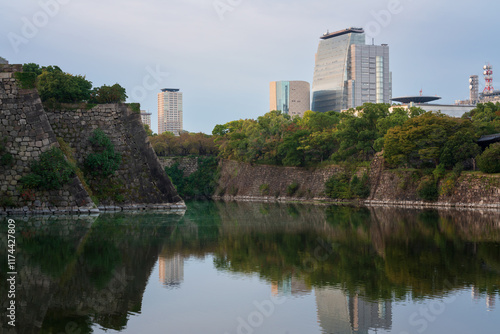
[373,41]
[420,91]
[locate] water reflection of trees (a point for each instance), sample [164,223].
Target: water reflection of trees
[85,271]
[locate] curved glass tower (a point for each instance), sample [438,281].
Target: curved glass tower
[348,73]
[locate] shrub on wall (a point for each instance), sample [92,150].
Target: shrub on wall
[292,188]
[337,186]
[200,184]
[51,172]
[342,186]
[104,161]
[5,157]
[427,189]
[489,160]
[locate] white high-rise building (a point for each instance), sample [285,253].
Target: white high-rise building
[170,111]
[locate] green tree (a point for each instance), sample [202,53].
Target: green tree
[54,84]
[425,140]
[108,94]
[489,160]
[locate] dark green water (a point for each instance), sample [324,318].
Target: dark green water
[256,268]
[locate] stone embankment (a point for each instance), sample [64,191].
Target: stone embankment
[246,182]
[27,130]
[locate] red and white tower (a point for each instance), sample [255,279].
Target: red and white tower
[488,78]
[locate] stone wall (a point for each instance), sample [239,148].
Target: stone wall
[29,130]
[188,165]
[140,177]
[242,181]
[25,127]
[248,182]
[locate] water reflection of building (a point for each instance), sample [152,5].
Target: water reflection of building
[290,286]
[338,313]
[171,270]
[490,298]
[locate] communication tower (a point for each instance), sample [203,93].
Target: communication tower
[488,78]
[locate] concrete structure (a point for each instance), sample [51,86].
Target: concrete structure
[146,118]
[348,72]
[170,111]
[291,97]
[452,110]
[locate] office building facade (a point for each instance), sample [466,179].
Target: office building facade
[348,73]
[290,97]
[146,118]
[170,111]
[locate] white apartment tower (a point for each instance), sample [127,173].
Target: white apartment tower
[170,111]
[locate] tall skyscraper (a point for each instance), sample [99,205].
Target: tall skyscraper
[291,97]
[170,111]
[348,73]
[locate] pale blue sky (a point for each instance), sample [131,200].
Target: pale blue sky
[222,54]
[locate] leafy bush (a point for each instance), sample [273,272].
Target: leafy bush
[201,183]
[108,94]
[292,188]
[26,80]
[489,160]
[360,187]
[54,84]
[264,189]
[52,171]
[105,161]
[135,107]
[427,189]
[5,157]
[338,186]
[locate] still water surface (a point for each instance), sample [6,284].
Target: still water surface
[258,268]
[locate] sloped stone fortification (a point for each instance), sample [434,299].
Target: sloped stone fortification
[29,130]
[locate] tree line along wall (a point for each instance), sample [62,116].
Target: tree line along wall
[29,130]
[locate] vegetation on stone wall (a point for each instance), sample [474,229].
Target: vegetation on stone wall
[275,138]
[345,186]
[489,160]
[108,94]
[104,161]
[55,86]
[430,140]
[6,158]
[25,80]
[50,172]
[167,144]
[200,184]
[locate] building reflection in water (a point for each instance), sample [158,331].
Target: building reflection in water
[338,313]
[171,270]
[490,298]
[290,286]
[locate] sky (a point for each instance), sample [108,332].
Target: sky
[222,54]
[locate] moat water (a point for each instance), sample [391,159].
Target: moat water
[255,268]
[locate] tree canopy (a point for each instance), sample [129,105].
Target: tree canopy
[54,84]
